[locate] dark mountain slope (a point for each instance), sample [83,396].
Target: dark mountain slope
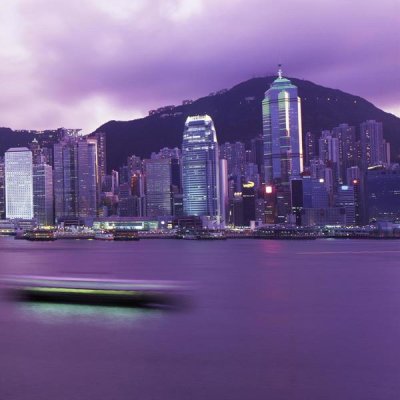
[237,116]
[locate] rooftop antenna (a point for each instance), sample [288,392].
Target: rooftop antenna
[280,71]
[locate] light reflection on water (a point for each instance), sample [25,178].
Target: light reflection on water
[51,313]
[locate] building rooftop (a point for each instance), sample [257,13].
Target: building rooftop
[17,149]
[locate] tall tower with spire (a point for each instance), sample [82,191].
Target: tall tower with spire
[282,135]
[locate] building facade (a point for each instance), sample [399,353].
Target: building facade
[282,132]
[19,183]
[200,168]
[43,205]
[75,178]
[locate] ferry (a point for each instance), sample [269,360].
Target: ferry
[124,235]
[287,233]
[95,291]
[40,235]
[104,236]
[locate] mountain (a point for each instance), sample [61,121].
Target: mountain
[237,116]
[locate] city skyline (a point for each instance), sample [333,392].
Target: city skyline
[70,72]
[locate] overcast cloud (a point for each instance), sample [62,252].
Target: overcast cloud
[81,63]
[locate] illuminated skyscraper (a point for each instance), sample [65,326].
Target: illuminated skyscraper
[282,132]
[282,135]
[19,183]
[200,168]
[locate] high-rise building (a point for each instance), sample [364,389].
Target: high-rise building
[328,147]
[283,149]
[282,134]
[346,199]
[158,173]
[373,146]
[134,164]
[346,136]
[19,183]
[353,173]
[43,207]
[235,155]
[310,148]
[2,189]
[307,193]
[383,193]
[75,178]
[200,169]
[257,153]
[101,145]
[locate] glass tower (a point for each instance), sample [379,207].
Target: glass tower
[200,168]
[75,178]
[43,194]
[282,134]
[19,183]
[158,174]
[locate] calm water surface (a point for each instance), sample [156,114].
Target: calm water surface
[269,320]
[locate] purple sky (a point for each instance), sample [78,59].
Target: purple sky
[80,63]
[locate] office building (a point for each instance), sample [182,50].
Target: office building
[310,148]
[19,183]
[200,169]
[43,205]
[235,155]
[383,193]
[373,146]
[282,132]
[282,135]
[346,136]
[75,178]
[346,199]
[158,174]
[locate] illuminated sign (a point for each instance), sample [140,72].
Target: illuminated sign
[248,185]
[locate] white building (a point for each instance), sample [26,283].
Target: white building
[19,183]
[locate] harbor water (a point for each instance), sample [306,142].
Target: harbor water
[267,319]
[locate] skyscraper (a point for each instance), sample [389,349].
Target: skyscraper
[282,132]
[158,173]
[346,136]
[75,178]
[373,147]
[235,154]
[200,168]
[18,183]
[310,148]
[43,194]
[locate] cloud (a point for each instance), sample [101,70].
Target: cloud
[81,63]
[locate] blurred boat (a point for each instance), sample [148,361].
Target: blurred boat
[96,291]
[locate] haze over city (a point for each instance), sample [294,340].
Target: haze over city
[80,64]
